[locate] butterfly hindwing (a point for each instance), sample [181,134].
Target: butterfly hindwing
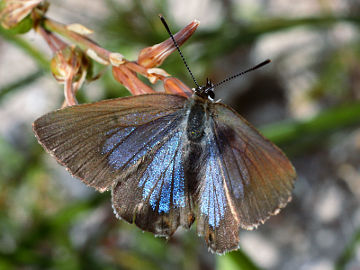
[155,196]
[245,179]
[216,217]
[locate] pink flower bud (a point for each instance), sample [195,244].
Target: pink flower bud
[154,56]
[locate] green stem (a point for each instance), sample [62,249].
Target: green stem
[311,132]
[236,260]
[349,252]
[281,24]
[83,42]
[20,83]
[26,47]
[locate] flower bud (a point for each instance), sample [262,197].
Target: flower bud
[175,86]
[129,79]
[14,11]
[154,74]
[79,29]
[154,56]
[68,61]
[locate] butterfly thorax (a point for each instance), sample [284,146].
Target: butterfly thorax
[198,107]
[196,121]
[197,117]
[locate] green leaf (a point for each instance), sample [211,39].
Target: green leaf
[307,132]
[235,260]
[22,27]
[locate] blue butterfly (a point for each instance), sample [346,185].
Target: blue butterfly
[170,160]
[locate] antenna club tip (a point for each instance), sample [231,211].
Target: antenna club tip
[196,21]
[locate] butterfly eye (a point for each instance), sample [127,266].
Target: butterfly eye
[211,94]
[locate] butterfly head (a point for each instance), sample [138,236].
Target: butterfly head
[206,91]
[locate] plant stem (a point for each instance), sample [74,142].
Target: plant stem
[308,133]
[26,47]
[83,42]
[20,83]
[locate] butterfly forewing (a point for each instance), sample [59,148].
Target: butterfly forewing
[132,145]
[97,142]
[260,174]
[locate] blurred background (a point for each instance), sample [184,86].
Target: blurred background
[307,101]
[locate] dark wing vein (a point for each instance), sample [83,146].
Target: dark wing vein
[76,135]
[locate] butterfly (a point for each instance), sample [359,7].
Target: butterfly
[170,160]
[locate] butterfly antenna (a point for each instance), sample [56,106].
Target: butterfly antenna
[177,47]
[243,72]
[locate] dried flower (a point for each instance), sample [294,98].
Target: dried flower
[14,11]
[69,66]
[129,79]
[154,56]
[80,29]
[66,61]
[116,59]
[175,86]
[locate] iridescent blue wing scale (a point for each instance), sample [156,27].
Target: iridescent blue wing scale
[246,179]
[79,136]
[121,143]
[162,201]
